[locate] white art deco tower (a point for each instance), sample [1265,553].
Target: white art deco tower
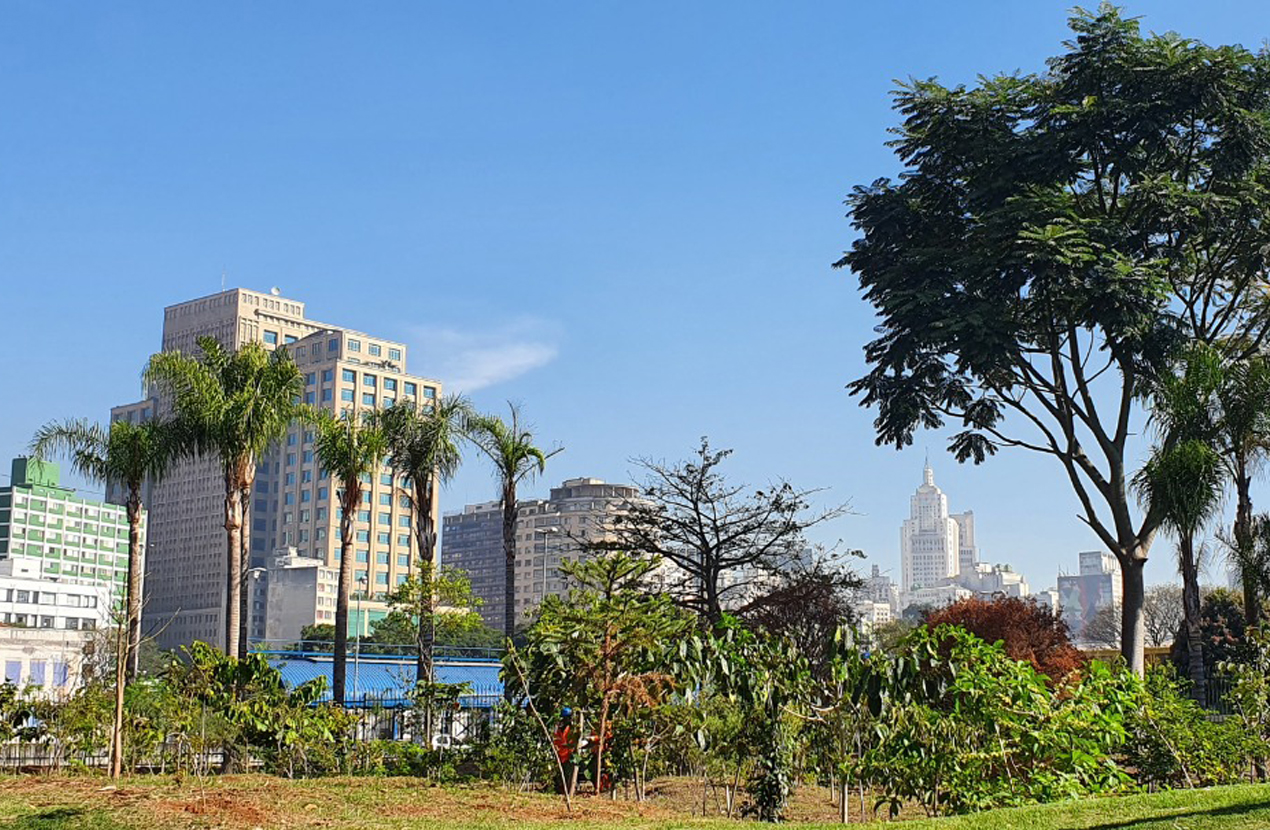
[930,539]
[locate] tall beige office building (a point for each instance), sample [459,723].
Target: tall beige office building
[294,504]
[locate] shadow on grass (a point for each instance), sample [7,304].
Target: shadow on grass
[62,818]
[1170,819]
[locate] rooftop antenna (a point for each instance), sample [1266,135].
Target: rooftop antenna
[222,278]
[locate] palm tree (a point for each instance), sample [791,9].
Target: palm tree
[1244,431]
[235,405]
[349,447]
[510,446]
[128,455]
[423,447]
[1183,480]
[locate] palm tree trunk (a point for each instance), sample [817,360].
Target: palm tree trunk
[133,599]
[1191,613]
[234,564]
[509,558]
[1244,544]
[1132,624]
[426,536]
[350,502]
[116,729]
[244,556]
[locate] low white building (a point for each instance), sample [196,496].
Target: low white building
[294,591]
[47,625]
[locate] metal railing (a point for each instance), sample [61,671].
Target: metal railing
[325,648]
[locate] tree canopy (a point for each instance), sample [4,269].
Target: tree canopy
[1053,240]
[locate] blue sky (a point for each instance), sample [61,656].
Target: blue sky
[620,214]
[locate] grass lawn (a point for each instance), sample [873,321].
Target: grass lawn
[249,801]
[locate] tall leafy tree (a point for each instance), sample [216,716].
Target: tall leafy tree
[127,454]
[1053,239]
[234,405]
[423,446]
[350,447]
[510,447]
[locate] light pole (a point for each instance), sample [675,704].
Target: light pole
[251,597]
[546,532]
[363,583]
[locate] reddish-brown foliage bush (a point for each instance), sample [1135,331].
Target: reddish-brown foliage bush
[1030,632]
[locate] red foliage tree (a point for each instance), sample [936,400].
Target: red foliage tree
[1030,632]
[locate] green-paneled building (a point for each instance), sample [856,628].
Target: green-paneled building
[76,539]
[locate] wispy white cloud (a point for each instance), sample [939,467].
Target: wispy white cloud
[469,359]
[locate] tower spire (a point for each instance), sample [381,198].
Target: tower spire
[928,475]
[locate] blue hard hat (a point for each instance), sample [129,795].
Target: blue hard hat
[566,712]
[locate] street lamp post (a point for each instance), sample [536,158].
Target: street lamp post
[251,598]
[546,532]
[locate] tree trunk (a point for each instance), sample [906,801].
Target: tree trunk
[352,498]
[233,562]
[116,729]
[1190,609]
[509,558]
[1132,624]
[1244,545]
[425,637]
[132,598]
[244,564]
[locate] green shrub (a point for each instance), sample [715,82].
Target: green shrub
[962,727]
[1172,742]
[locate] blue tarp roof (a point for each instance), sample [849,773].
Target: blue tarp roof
[386,680]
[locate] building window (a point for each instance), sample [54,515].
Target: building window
[305,496]
[403,540]
[411,389]
[403,560]
[385,479]
[271,337]
[429,391]
[323,493]
[345,395]
[306,476]
[368,380]
[381,557]
[354,345]
[333,345]
[390,384]
[368,399]
[385,518]
[363,535]
[327,394]
[373,349]
[309,379]
[394,354]
[289,339]
[403,521]
[384,538]
[348,376]
[310,398]
[381,578]
[363,515]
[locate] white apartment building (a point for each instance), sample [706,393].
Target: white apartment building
[47,624]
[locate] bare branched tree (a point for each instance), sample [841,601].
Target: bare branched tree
[724,544]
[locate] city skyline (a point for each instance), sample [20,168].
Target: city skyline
[497,242]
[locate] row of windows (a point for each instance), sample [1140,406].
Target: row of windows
[38,674]
[47,621]
[47,598]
